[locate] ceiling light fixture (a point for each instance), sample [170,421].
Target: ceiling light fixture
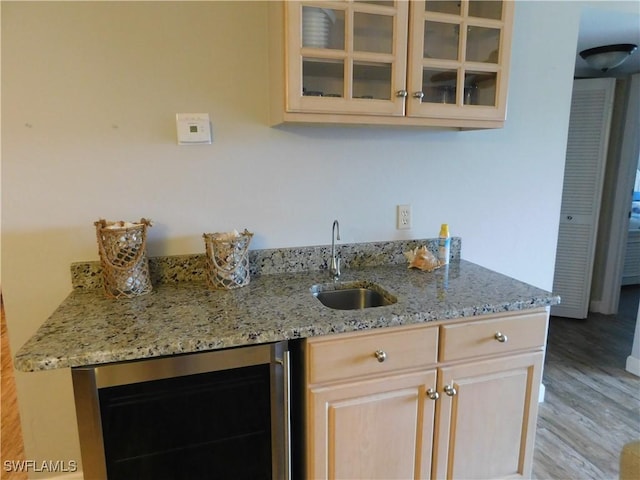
[609,56]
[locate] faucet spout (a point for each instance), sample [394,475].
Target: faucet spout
[334,265]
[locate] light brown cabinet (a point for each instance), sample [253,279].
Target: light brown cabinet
[367,404]
[372,428]
[487,429]
[424,62]
[455,400]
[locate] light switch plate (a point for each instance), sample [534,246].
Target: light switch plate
[193,128]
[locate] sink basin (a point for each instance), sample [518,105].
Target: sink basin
[352,296]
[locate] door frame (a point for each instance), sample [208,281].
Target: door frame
[577,222]
[616,247]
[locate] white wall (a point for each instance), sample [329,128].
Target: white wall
[90,91]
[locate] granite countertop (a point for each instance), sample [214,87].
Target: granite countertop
[186,316]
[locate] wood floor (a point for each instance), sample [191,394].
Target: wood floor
[592,404]
[11,447]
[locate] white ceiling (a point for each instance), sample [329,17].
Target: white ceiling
[604,27]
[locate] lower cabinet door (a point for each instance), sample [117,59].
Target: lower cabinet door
[372,429]
[486,418]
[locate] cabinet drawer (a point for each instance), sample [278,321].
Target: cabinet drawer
[338,358]
[482,337]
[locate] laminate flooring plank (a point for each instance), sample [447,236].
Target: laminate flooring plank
[619,387]
[581,432]
[593,394]
[596,405]
[556,459]
[592,404]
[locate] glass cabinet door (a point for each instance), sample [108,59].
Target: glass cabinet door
[350,58]
[455,58]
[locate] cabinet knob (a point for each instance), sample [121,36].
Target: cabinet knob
[418,95]
[380,355]
[401,93]
[450,390]
[432,394]
[501,337]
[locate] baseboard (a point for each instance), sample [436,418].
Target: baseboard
[595,306]
[541,393]
[633,364]
[630,280]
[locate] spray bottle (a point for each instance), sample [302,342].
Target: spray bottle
[444,245]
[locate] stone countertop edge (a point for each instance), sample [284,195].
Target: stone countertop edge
[187,317]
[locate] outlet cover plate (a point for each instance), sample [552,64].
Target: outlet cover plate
[403,217]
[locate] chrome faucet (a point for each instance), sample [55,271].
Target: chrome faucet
[334,266]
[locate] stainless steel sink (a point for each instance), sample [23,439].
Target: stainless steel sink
[352,296]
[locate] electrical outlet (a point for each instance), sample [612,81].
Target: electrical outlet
[404,217]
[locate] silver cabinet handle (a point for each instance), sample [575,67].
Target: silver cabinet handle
[450,390]
[380,355]
[418,95]
[501,337]
[432,394]
[401,93]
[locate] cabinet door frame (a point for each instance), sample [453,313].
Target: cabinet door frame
[447,441]
[457,110]
[295,52]
[323,400]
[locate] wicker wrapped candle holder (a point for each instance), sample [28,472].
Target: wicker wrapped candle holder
[227,259]
[125,267]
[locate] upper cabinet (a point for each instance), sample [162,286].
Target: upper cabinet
[424,62]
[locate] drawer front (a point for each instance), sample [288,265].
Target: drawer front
[340,358]
[483,337]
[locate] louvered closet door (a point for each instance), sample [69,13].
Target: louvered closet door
[589,125]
